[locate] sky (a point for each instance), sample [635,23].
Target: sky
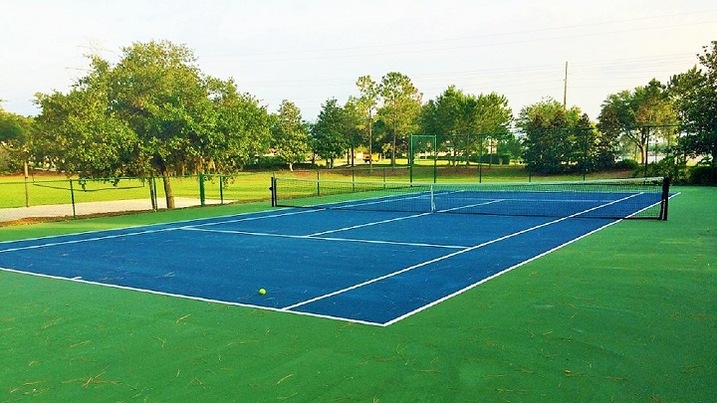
[313,50]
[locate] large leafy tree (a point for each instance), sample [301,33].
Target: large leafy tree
[158,90]
[695,95]
[242,127]
[550,139]
[489,118]
[445,117]
[639,115]
[363,109]
[401,105]
[466,121]
[77,133]
[15,134]
[290,135]
[153,113]
[329,132]
[355,123]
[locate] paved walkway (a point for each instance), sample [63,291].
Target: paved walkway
[65,210]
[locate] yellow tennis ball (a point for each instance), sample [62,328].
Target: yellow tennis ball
[262,291]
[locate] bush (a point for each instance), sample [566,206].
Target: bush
[503,159]
[703,175]
[630,165]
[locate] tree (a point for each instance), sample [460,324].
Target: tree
[290,137]
[242,129]
[14,140]
[465,121]
[639,115]
[695,95]
[329,137]
[550,141]
[158,91]
[364,107]
[77,133]
[355,123]
[489,117]
[445,117]
[400,109]
[153,113]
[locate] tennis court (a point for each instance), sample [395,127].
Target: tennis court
[365,260]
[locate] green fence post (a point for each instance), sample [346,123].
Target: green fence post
[201,190]
[27,189]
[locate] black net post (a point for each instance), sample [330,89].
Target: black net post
[665,198]
[273,191]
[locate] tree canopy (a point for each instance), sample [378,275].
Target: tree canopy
[401,104]
[695,94]
[639,114]
[154,113]
[329,132]
[290,135]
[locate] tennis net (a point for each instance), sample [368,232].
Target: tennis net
[613,199]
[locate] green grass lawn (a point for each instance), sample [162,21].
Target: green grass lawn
[626,314]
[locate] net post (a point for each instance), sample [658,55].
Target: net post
[664,202]
[272,188]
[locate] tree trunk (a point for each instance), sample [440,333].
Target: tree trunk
[393,151]
[291,166]
[152,194]
[370,142]
[169,196]
[713,160]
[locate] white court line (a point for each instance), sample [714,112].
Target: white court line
[471,286]
[461,291]
[367,224]
[159,224]
[376,200]
[74,241]
[149,231]
[410,268]
[370,241]
[285,309]
[256,218]
[471,205]
[182,296]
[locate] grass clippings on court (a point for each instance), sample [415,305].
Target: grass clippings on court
[626,314]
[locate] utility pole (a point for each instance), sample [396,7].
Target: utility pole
[565,88]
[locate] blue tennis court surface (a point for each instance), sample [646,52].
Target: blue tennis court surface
[369,267]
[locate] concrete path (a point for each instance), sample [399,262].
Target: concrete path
[65,210]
